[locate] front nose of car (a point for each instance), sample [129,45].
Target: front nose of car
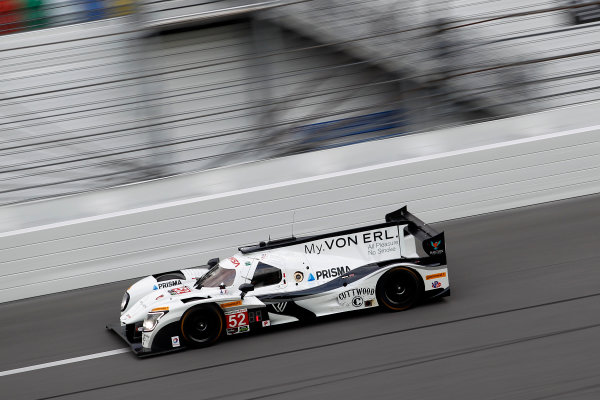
[125,319]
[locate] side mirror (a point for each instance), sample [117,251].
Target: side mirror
[212,262]
[245,288]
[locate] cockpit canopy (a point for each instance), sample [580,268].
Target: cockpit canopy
[232,271]
[217,276]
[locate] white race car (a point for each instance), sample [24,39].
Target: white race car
[393,265]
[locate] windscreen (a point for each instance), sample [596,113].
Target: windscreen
[217,276]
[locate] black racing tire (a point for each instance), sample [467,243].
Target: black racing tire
[202,326]
[399,289]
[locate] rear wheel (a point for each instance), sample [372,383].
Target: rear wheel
[202,326]
[399,289]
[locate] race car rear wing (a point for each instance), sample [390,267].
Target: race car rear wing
[433,242]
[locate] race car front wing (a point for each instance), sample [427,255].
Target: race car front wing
[136,345]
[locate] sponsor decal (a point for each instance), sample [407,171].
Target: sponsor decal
[279,307]
[167,284]
[436,284]
[352,240]
[382,247]
[346,295]
[356,297]
[241,329]
[266,323]
[234,261]
[332,272]
[155,287]
[175,341]
[248,263]
[435,276]
[181,290]
[231,304]
[311,277]
[357,301]
[160,297]
[237,321]
[298,276]
[436,247]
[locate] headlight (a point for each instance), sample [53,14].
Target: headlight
[152,319]
[125,301]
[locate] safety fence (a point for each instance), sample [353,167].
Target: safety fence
[179,86]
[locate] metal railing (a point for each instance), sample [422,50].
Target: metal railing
[158,92]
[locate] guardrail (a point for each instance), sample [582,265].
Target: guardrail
[140,229]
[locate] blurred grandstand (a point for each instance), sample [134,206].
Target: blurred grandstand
[102,93]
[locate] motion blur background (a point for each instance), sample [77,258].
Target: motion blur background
[97,94]
[100,93]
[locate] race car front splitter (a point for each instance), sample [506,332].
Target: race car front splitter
[137,347]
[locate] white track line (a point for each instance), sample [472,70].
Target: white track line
[175,203]
[63,362]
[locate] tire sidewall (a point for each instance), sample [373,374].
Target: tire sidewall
[381,298]
[202,308]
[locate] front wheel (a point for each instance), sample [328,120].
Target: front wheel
[399,289]
[202,326]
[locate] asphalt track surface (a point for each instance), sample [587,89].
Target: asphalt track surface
[523,322]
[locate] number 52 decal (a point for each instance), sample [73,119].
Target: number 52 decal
[236,319]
